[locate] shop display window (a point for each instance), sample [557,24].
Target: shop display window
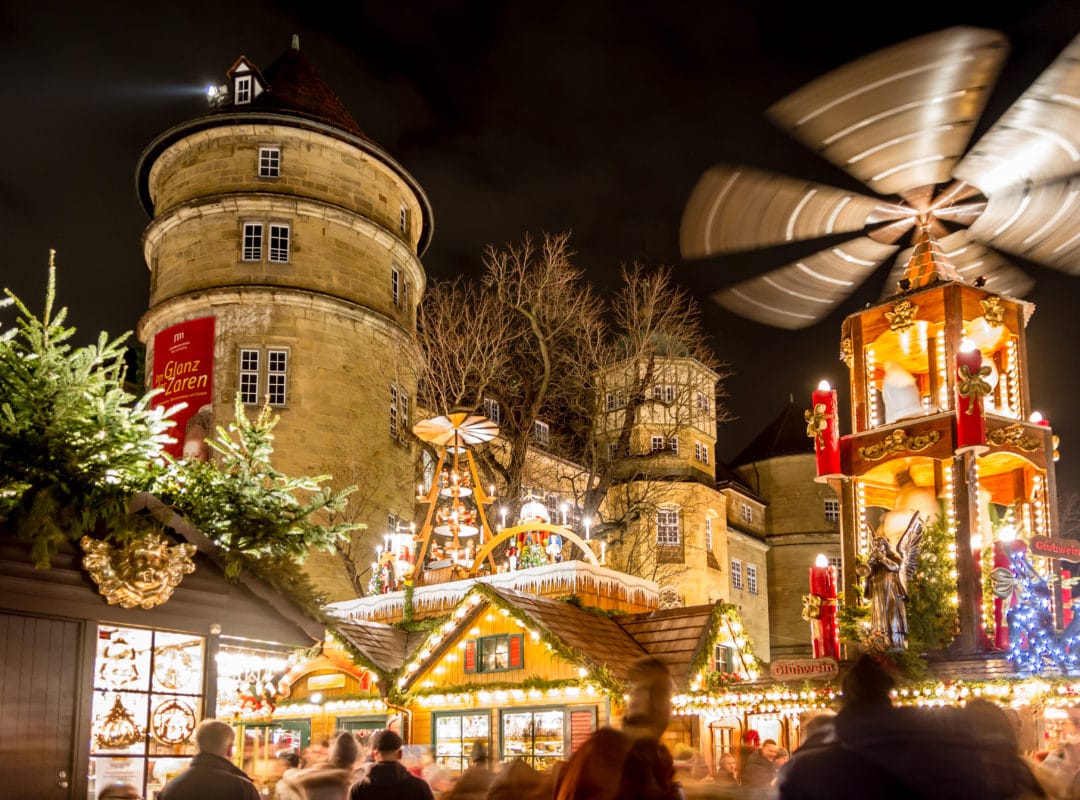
[455,735]
[538,736]
[148,698]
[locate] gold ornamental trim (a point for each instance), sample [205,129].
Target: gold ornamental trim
[993,311]
[902,315]
[972,386]
[1015,436]
[898,442]
[847,351]
[817,421]
[144,572]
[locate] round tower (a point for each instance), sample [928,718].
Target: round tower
[284,253]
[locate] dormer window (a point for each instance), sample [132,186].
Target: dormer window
[242,89]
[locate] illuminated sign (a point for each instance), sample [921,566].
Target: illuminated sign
[802,669]
[184,371]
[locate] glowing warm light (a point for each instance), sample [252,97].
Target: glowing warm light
[821,561]
[823,386]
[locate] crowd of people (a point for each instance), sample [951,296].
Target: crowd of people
[869,748]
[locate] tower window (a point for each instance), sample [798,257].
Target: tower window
[243,89]
[708,534]
[832,510]
[279,243]
[253,236]
[751,578]
[667,527]
[702,401]
[746,512]
[269,162]
[399,413]
[403,219]
[736,573]
[701,452]
[264,373]
[664,392]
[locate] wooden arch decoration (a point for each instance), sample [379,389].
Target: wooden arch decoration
[543,527]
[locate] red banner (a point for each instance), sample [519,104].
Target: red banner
[184,369]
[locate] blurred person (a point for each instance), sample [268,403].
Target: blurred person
[781,758]
[1058,772]
[314,753]
[631,763]
[326,780]
[211,774]
[881,752]
[475,781]
[119,791]
[749,744]
[1011,775]
[819,729]
[437,776]
[387,778]
[727,773]
[760,769]
[519,781]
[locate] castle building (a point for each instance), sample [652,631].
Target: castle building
[284,253]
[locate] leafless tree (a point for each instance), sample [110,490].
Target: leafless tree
[535,338]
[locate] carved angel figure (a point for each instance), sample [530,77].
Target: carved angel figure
[888,572]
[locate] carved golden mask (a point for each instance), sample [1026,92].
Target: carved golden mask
[142,573]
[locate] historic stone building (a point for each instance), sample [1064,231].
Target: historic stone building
[277,217]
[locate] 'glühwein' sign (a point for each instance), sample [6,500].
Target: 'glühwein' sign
[1049,547]
[184,370]
[803,669]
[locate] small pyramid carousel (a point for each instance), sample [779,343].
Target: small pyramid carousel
[424,573]
[946,484]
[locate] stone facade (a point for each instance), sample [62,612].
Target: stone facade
[341,305]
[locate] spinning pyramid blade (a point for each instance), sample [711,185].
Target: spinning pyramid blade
[971,261]
[803,293]
[1040,223]
[736,208]
[901,117]
[1038,139]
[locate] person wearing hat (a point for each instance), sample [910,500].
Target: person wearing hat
[476,780]
[387,778]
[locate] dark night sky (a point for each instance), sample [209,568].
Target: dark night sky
[594,117]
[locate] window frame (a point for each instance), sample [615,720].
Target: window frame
[736,574]
[251,243]
[268,368]
[746,513]
[751,578]
[541,433]
[664,392]
[269,161]
[673,444]
[701,452]
[243,89]
[708,535]
[657,444]
[399,413]
[492,410]
[831,509]
[403,219]
[274,246]
[668,528]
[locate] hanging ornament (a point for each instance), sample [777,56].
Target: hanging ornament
[118,667]
[173,667]
[143,573]
[173,721]
[118,729]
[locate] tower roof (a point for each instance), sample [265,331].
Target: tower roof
[784,436]
[294,86]
[928,263]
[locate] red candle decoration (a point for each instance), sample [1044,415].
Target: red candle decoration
[823,425]
[821,609]
[1003,551]
[971,388]
[1037,418]
[1066,596]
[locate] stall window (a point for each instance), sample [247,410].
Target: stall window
[494,653]
[455,734]
[538,737]
[148,698]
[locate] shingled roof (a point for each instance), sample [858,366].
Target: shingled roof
[295,88]
[673,635]
[386,647]
[598,638]
[784,436]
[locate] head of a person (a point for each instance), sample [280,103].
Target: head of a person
[867,684]
[649,703]
[769,749]
[479,754]
[289,759]
[728,763]
[991,724]
[781,757]
[386,745]
[344,751]
[119,791]
[215,736]
[820,727]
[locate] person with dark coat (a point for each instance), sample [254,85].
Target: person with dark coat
[631,763]
[879,752]
[387,778]
[474,782]
[759,771]
[211,774]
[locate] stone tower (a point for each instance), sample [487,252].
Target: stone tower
[284,254]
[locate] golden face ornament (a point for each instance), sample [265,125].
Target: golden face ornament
[144,572]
